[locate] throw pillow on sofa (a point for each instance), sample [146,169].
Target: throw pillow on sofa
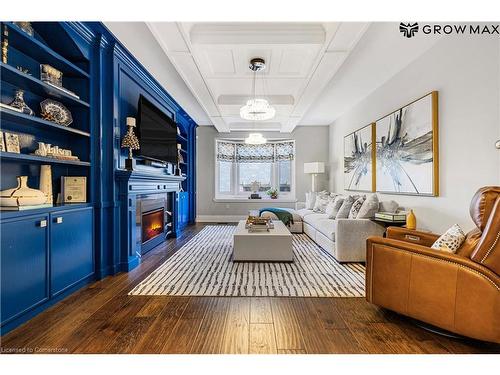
[388,206]
[321,203]
[451,240]
[369,208]
[333,207]
[310,200]
[345,208]
[356,206]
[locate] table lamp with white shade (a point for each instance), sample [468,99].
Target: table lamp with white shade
[314,168]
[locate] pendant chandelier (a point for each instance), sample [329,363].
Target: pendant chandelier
[255,139]
[257,109]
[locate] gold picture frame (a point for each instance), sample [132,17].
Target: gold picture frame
[407,149]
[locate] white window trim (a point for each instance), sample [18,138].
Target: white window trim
[243,197]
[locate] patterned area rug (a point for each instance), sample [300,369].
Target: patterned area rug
[203,267]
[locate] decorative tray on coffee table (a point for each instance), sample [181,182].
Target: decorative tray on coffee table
[255,223]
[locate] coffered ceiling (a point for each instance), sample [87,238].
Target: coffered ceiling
[213,58]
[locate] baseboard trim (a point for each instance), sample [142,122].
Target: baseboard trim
[220,218]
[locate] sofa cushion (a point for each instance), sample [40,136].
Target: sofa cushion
[388,206]
[321,203]
[326,227]
[310,200]
[345,208]
[304,212]
[356,206]
[333,207]
[313,218]
[369,207]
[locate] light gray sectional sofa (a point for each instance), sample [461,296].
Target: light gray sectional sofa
[344,238]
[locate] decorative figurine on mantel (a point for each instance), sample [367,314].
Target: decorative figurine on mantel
[131,142]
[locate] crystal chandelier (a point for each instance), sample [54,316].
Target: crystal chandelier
[255,139]
[257,109]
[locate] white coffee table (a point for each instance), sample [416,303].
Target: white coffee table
[272,246]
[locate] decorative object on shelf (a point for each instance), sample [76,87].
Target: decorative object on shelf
[74,189]
[22,195]
[49,74]
[2,142]
[5,44]
[6,106]
[273,193]
[411,221]
[314,169]
[46,182]
[131,142]
[255,139]
[55,112]
[359,159]
[180,158]
[255,187]
[407,149]
[19,103]
[26,27]
[257,109]
[12,143]
[23,70]
[50,151]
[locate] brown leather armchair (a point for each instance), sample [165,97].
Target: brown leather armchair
[458,292]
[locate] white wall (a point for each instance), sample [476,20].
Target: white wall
[311,144]
[465,71]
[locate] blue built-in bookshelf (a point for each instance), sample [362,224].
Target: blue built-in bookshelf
[48,253]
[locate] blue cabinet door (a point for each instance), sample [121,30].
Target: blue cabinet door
[24,265]
[183,210]
[71,248]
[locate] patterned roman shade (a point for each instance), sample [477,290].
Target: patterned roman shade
[285,150]
[244,153]
[226,151]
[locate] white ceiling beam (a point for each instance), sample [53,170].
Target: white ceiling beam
[290,124]
[220,124]
[256,33]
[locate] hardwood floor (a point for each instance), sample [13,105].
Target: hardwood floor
[102,318]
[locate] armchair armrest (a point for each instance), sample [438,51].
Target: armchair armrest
[350,238]
[412,236]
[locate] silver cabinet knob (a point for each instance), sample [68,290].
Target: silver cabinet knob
[42,223]
[59,220]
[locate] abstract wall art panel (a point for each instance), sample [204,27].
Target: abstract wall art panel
[359,160]
[407,149]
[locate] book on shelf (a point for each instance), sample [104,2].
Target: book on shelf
[24,208]
[391,216]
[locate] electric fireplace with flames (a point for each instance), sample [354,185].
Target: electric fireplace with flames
[153,220]
[152,225]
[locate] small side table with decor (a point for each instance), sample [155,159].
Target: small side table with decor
[389,219]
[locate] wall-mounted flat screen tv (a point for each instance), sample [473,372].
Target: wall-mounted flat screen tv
[157,133]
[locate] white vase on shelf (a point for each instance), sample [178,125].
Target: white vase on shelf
[46,182]
[22,195]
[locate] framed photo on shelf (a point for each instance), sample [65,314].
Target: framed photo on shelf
[74,189]
[12,143]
